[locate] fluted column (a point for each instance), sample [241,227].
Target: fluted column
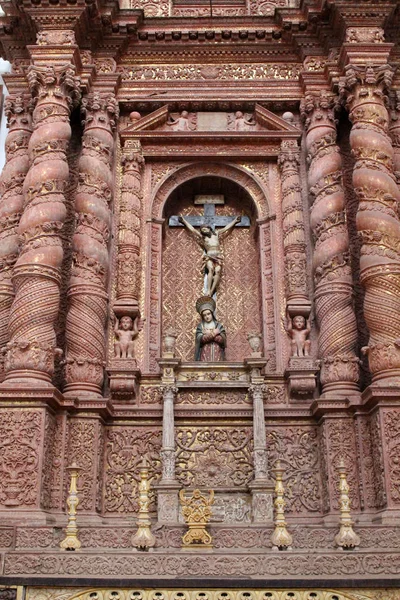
[37,272]
[18,109]
[293,229]
[378,224]
[129,231]
[87,291]
[259,434]
[331,263]
[168,434]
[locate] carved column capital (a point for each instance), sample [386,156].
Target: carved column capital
[169,391]
[100,110]
[132,156]
[289,155]
[317,108]
[58,82]
[258,390]
[365,81]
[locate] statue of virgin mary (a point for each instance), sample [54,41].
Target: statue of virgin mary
[210,334]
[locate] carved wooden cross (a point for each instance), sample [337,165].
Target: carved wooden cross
[208,217]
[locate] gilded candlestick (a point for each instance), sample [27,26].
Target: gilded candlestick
[71,540]
[281,538]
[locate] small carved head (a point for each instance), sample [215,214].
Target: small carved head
[299,322]
[239,114]
[184,114]
[206,231]
[126,323]
[254,340]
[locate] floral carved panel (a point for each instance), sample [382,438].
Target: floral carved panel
[125,449]
[392,443]
[20,447]
[214,456]
[297,449]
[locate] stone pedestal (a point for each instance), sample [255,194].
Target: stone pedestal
[301,375]
[124,377]
[167,502]
[262,501]
[30,438]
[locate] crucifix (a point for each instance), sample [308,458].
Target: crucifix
[208,237]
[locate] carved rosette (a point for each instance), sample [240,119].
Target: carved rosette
[332,272]
[377,217]
[37,271]
[87,291]
[129,226]
[293,224]
[18,109]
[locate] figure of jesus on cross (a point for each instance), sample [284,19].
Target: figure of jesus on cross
[208,238]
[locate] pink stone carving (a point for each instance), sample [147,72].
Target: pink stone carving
[378,224]
[18,110]
[36,277]
[87,292]
[332,272]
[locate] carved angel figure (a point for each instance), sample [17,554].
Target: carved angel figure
[298,330]
[126,331]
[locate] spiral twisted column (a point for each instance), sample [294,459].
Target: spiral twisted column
[378,223]
[293,230]
[129,231]
[394,130]
[87,291]
[332,272]
[37,272]
[18,109]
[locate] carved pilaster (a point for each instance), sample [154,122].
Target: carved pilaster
[365,88]
[261,486]
[168,434]
[87,291]
[18,109]
[37,272]
[129,230]
[293,230]
[332,271]
[167,499]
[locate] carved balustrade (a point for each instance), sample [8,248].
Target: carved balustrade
[87,291]
[331,262]
[18,109]
[365,88]
[37,272]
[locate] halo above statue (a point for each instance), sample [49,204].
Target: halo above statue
[205,303]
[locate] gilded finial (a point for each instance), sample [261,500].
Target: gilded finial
[346,538]
[196,510]
[281,538]
[143,539]
[71,540]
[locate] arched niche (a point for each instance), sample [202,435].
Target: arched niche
[239,305]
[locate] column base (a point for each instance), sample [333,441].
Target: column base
[167,502]
[26,379]
[80,389]
[262,501]
[340,389]
[390,377]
